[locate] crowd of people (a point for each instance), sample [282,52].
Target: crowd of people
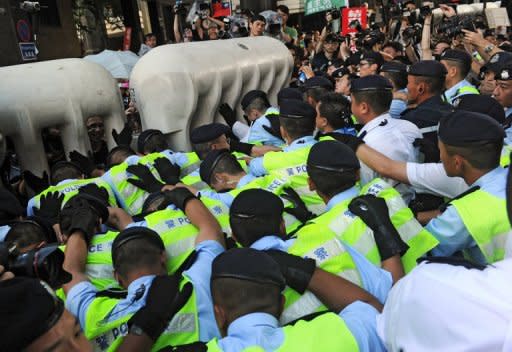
[370,210]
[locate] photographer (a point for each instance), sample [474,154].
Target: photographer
[329,51]
[204,23]
[290,34]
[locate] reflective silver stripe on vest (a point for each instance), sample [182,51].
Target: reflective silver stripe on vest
[429,129]
[182,323]
[189,169]
[497,242]
[99,271]
[136,206]
[410,229]
[182,246]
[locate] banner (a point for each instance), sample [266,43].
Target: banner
[351,14]
[314,6]
[221,8]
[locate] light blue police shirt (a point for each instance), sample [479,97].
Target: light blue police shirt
[257,134]
[256,165]
[508,131]
[454,92]
[398,106]
[262,329]
[81,295]
[226,197]
[449,228]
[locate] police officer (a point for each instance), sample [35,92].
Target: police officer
[246,290]
[333,115]
[489,71]
[503,94]
[262,228]
[396,72]
[370,63]
[458,65]
[425,82]
[315,87]
[138,255]
[34,319]
[342,78]
[475,222]
[371,100]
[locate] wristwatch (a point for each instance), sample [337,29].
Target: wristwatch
[489,48]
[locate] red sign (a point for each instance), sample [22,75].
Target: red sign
[348,17]
[221,8]
[127,40]
[24,31]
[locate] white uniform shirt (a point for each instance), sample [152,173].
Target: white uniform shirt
[432,178]
[440,307]
[393,138]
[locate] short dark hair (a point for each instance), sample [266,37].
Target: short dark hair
[379,100]
[332,106]
[258,18]
[316,93]
[297,128]
[66,171]
[249,230]
[24,234]
[136,254]
[242,297]
[395,45]
[481,156]
[148,36]
[398,79]
[284,8]
[462,68]
[156,143]
[435,84]
[117,155]
[230,166]
[331,183]
[258,104]
[202,149]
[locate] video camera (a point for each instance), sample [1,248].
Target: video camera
[180,8]
[30,6]
[204,10]
[44,263]
[413,33]
[453,26]
[234,27]
[368,38]
[335,13]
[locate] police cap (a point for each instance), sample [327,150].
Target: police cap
[251,95]
[209,163]
[29,308]
[208,133]
[353,59]
[64,163]
[135,233]
[427,68]
[295,109]
[372,57]
[371,83]
[289,93]
[144,137]
[340,72]
[505,73]
[10,206]
[331,38]
[462,127]
[250,265]
[256,203]
[394,66]
[318,82]
[497,61]
[483,104]
[457,55]
[332,156]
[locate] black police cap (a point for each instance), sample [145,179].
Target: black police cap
[249,265]
[295,109]
[144,138]
[483,104]
[10,206]
[340,72]
[462,127]
[332,156]
[394,66]
[372,57]
[64,163]
[209,163]
[427,68]
[208,133]
[331,38]
[251,95]
[505,73]
[135,233]
[457,55]
[353,59]
[29,309]
[371,83]
[289,93]
[256,203]
[318,82]
[497,62]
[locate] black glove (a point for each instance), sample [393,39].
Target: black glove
[163,301]
[275,126]
[228,114]
[169,172]
[374,212]
[125,137]
[179,197]
[297,271]
[79,215]
[85,162]
[49,207]
[241,147]
[351,141]
[299,210]
[146,180]
[97,198]
[37,184]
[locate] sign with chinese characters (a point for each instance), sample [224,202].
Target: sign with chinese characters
[28,51]
[351,17]
[221,8]
[314,6]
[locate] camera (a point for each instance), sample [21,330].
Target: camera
[30,6]
[367,39]
[413,33]
[204,9]
[453,26]
[425,11]
[335,13]
[44,263]
[180,8]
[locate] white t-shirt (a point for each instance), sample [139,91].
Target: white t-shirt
[432,178]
